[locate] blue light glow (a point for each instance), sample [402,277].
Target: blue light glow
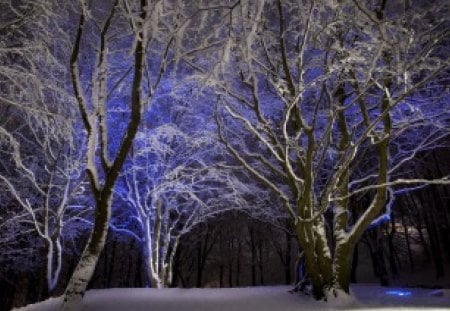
[401,293]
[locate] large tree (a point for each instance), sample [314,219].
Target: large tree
[105,25]
[310,92]
[120,47]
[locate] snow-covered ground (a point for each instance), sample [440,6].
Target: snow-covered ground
[270,298]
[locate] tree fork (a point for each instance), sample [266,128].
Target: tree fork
[103,195]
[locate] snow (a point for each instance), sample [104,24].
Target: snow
[270,298]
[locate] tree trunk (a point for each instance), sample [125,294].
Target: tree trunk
[318,264]
[287,266]
[111,262]
[253,254]
[221,268]
[198,283]
[221,262]
[105,266]
[238,264]
[85,269]
[261,261]
[433,238]
[343,266]
[418,224]
[130,269]
[230,262]
[405,229]
[230,273]
[354,264]
[138,276]
[391,247]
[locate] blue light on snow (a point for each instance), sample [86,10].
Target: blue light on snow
[401,293]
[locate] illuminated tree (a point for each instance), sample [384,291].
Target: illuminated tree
[128,47]
[322,102]
[173,183]
[310,92]
[39,168]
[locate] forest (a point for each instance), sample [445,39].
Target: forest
[223,143]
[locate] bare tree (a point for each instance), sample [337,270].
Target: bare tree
[311,92]
[133,44]
[39,168]
[172,185]
[44,203]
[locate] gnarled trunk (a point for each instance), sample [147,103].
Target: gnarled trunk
[328,274]
[342,265]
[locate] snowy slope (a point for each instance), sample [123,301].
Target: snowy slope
[253,298]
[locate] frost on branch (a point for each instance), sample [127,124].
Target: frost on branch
[172,184]
[130,47]
[40,168]
[332,101]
